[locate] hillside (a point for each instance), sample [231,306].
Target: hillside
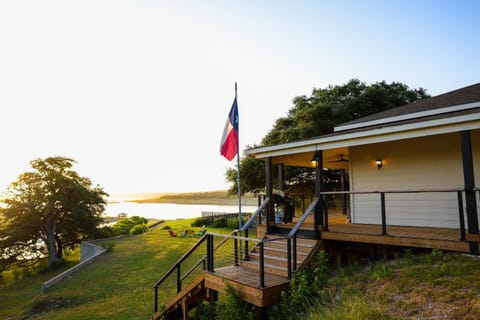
[431,285]
[218,197]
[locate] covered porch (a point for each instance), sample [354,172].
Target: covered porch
[372,202]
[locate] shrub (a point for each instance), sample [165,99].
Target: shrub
[138,229]
[125,225]
[220,223]
[200,222]
[231,307]
[166,227]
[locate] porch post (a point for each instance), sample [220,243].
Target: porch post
[281,176]
[471,203]
[319,209]
[269,193]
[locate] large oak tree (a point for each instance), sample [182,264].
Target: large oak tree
[46,210]
[318,114]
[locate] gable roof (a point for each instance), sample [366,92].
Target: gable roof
[450,112]
[456,100]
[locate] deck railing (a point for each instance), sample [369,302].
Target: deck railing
[383,205]
[207,259]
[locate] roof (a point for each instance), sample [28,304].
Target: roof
[450,112]
[460,99]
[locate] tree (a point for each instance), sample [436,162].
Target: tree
[47,210]
[318,114]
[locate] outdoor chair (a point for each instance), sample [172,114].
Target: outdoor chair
[171,233]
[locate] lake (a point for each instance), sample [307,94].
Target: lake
[169,211]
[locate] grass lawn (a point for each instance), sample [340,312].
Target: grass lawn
[118,285]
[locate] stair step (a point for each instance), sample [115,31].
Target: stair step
[267,267]
[280,261]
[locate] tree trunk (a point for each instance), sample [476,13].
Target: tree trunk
[50,229]
[59,248]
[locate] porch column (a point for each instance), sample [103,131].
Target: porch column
[269,193]
[281,176]
[471,203]
[319,209]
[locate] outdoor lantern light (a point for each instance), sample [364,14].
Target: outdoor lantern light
[379,163]
[316,159]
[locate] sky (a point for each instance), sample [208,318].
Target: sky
[138,92]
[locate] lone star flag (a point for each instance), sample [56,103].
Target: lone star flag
[229,143]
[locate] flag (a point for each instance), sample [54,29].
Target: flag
[229,143]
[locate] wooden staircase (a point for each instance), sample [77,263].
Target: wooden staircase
[258,276]
[244,278]
[276,256]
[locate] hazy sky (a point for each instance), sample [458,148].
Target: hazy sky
[137,92]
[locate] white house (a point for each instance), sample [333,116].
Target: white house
[423,158]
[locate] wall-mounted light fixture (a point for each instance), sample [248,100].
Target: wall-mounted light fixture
[316,159]
[379,163]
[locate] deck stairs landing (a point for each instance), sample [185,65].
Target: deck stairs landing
[276,257]
[244,278]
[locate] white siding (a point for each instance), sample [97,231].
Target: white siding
[415,164]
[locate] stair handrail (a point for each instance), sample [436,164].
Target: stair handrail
[292,236]
[203,259]
[255,214]
[233,233]
[307,213]
[179,261]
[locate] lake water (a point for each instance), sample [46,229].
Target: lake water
[169,211]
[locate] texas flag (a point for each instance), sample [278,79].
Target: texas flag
[229,143]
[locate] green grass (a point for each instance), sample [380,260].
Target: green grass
[428,286]
[118,285]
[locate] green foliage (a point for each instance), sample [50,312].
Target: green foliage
[166,227]
[220,222]
[317,115]
[138,229]
[305,288]
[231,307]
[202,311]
[200,221]
[51,204]
[125,225]
[106,232]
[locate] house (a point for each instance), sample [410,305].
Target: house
[406,179]
[414,166]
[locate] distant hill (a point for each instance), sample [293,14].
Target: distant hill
[217,197]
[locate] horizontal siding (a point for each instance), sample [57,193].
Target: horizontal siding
[415,164]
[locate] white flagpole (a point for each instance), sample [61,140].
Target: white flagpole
[238,169]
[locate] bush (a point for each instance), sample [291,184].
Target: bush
[138,229]
[200,222]
[125,225]
[166,227]
[220,223]
[231,307]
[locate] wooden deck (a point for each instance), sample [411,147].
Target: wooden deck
[245,281]
[421,237]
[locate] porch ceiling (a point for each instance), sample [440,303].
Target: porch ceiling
[330,159]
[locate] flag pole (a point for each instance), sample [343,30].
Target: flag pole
[238,170]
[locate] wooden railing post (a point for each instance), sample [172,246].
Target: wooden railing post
[155,308]
[246,246]
[210,252]
[235,248]
[289,258]
[460,215]
[262,266]
[384,218]
[325,215]
[295,253]
[179,281]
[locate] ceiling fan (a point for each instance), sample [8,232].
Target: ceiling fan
[341,158]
